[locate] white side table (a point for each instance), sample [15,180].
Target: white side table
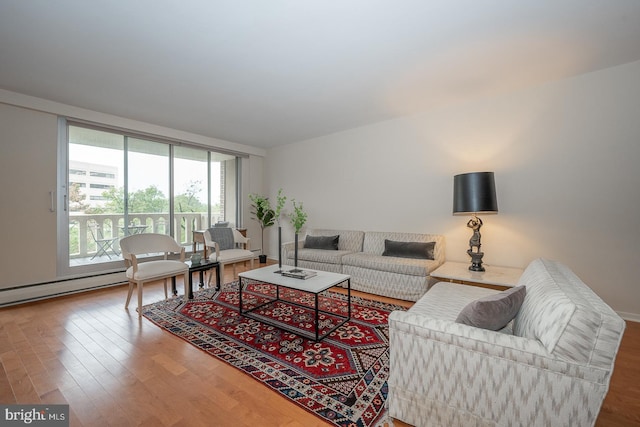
[494,277]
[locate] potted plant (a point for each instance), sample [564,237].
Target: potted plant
[298,218]
[262,212]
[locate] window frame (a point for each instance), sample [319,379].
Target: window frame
[64,267]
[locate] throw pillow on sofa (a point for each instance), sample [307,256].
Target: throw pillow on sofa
[416,250]
[495,311]
[322,242]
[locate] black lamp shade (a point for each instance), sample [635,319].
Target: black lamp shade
[474,193]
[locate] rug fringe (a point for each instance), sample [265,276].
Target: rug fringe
[386,420]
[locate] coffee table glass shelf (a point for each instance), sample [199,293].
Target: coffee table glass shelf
[316,284]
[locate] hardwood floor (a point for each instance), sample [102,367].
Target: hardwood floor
[116,370]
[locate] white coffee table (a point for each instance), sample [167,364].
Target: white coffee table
[314,285]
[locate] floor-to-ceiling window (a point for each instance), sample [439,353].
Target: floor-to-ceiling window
[190,197]
[147,183]
[120,183]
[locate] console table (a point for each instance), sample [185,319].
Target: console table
[500,278]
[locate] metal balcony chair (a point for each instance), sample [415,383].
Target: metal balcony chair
[103,245]
[139,272]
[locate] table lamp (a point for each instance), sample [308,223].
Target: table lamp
[474,193]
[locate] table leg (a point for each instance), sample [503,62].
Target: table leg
[317,318]
[240,294]
[349,298]
[190,285]
[173,286]
[218,277]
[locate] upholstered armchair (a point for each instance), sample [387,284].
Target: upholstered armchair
[140,271]
[228,247]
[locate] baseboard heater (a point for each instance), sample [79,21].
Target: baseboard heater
[39,291]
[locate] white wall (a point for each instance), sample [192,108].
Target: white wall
[255,176]
[565,157]
[27,174]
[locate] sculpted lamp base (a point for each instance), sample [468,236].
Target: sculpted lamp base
[476,260]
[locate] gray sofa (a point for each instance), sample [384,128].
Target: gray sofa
[359,254]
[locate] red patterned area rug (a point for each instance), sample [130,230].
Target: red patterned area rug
[341,379]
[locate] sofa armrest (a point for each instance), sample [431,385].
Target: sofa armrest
[289,247]
[491,344]
[449,332]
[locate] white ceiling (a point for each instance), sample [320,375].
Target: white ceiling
[271,72]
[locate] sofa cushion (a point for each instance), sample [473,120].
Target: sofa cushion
[495,311]
[409,266]
[149,269]
[417,250]
[318,255]
[546,309]
[322,242]
[593,330]
[446,300]
[229,256]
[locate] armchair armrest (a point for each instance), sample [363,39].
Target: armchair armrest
[214,246]
[241,240]
[130,260]
[181,252]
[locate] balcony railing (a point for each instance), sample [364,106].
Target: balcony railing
[85,229]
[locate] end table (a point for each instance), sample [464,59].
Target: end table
[500,278]
[201,268]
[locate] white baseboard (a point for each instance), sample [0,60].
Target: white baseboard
[633,317]
[28,293]
[39,291]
